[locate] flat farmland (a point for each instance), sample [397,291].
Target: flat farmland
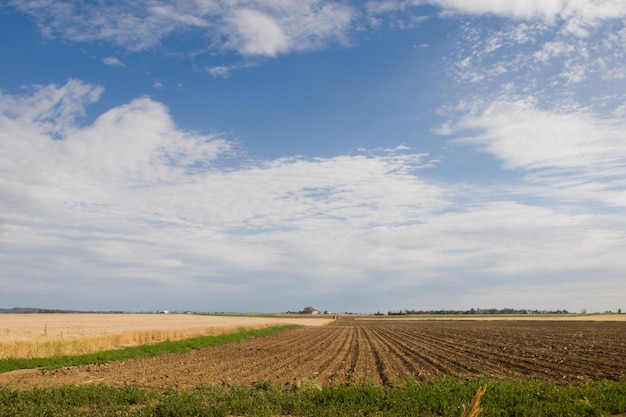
[44,335]
[381,352]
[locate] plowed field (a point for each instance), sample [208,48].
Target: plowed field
[381,352]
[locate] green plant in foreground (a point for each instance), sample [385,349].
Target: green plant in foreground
[444,397]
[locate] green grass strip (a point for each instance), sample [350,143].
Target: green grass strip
[446,397]
[144,351]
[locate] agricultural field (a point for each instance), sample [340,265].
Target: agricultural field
[383,352]
[45,335]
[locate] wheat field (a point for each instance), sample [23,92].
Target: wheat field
[46,335]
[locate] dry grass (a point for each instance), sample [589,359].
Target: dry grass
[46,335]
[474,409]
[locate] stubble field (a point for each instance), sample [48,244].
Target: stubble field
[380,352]
[45,335]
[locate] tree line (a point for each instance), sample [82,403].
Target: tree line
[476,311]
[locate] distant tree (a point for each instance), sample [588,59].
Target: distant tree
[619,311]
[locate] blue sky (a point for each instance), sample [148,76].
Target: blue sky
[267,155]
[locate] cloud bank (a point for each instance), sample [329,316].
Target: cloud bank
[132,201]
[132,206]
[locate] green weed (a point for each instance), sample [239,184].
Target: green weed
[444,397]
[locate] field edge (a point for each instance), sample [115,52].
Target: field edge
[143,351]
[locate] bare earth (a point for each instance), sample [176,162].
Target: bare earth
[382,352]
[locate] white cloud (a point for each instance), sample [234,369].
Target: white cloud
[134,26]
[131,199]
[113,61]
[503,238]
[573,152]
[48,109]
[222,71]
[250,27]
[268,28]
[527,137]
[553,49]
[141,192]
[257,33]
[578,16]
[577,13]
[544,44]
[258,28]
[521,9]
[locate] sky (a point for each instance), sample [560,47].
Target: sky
[350,155]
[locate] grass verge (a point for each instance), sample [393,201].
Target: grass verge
[444,397]
[161,348]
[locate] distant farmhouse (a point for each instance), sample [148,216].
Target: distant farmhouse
[310,310]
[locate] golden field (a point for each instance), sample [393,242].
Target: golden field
[45,335]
